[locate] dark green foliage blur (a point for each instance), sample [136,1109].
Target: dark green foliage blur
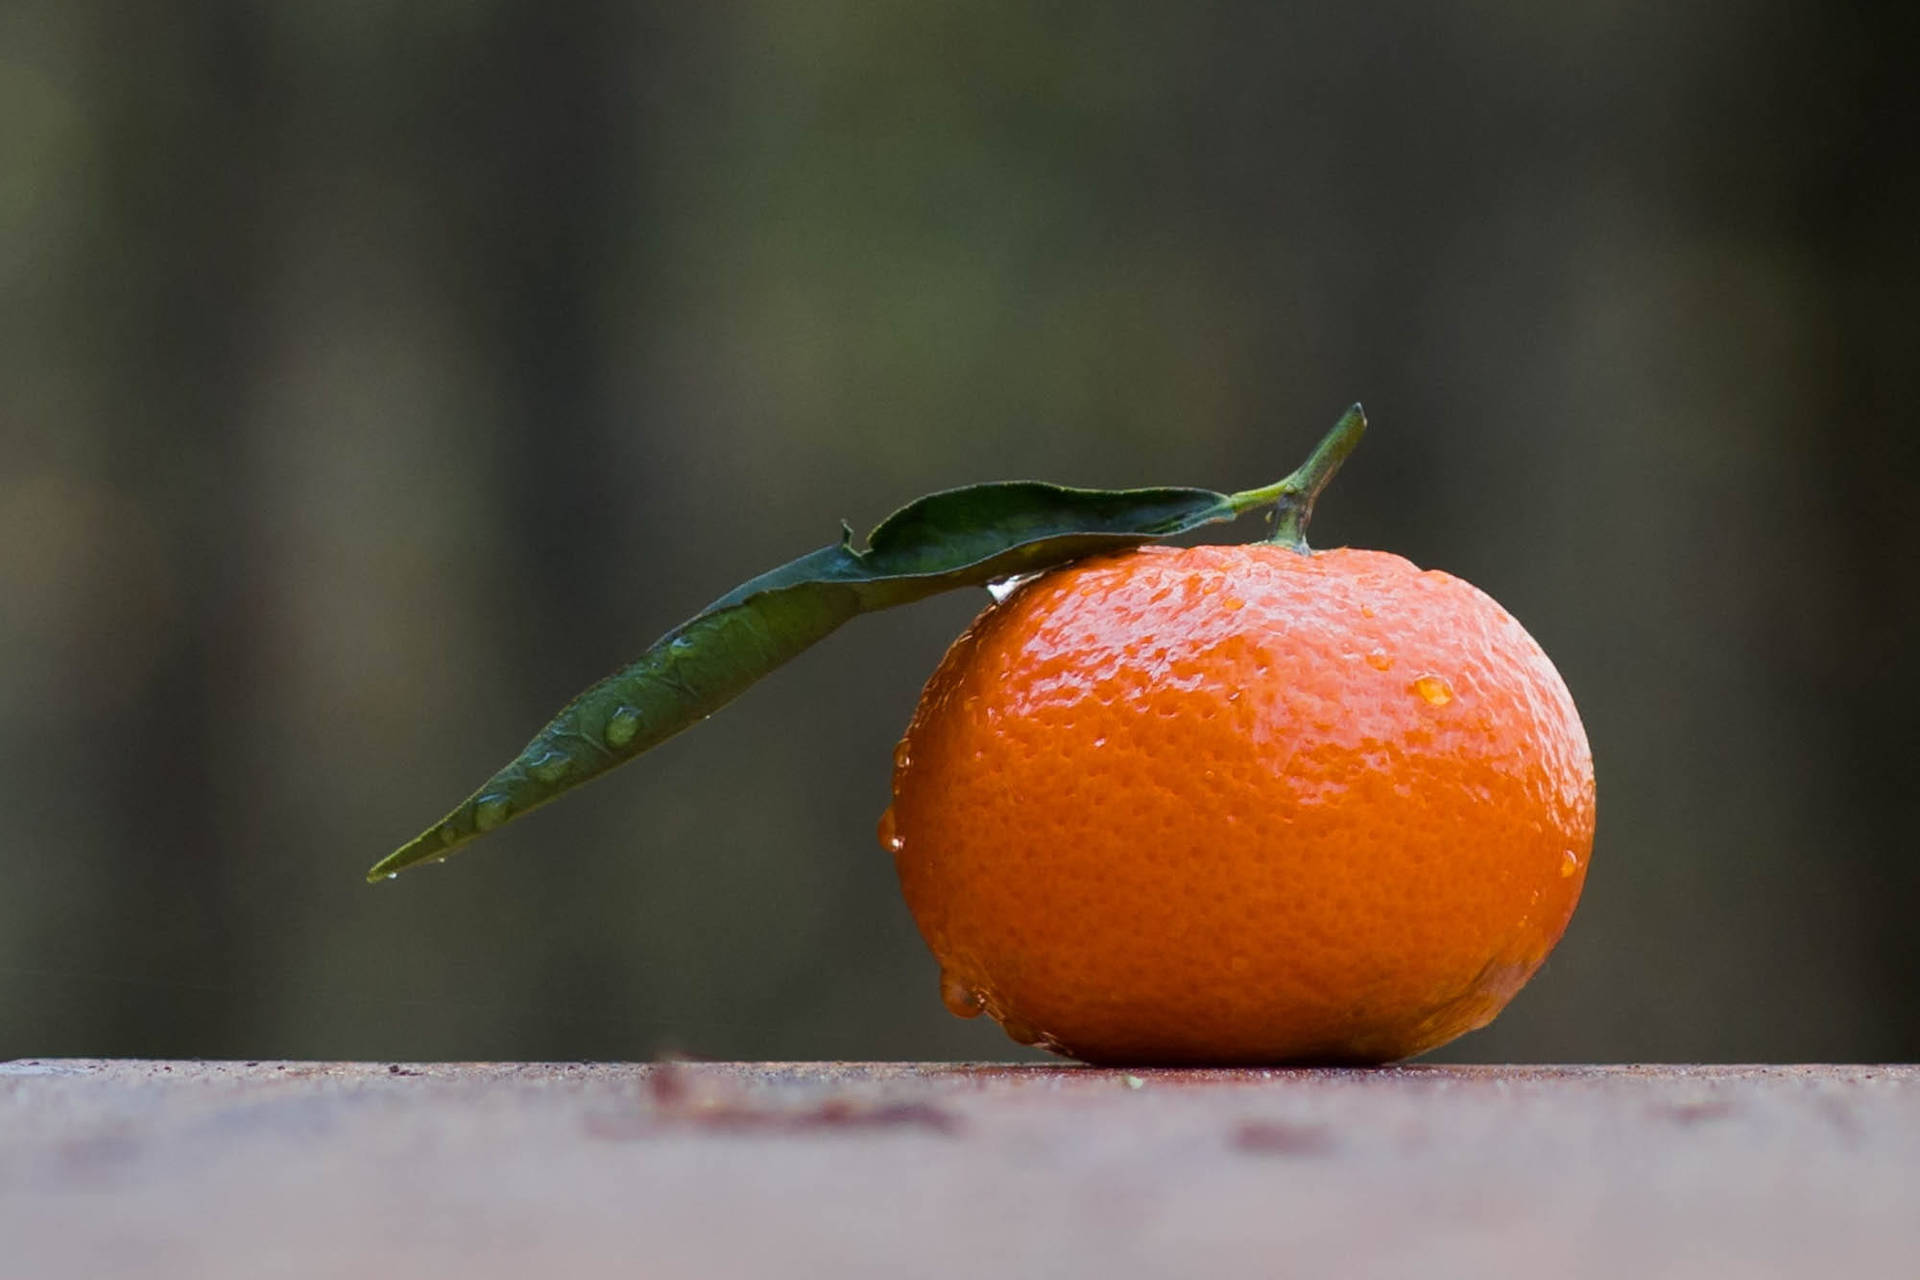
[374,376]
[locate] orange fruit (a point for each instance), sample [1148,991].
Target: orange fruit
[1241,804]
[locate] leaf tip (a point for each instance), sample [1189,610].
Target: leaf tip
[434,842]
[387,868]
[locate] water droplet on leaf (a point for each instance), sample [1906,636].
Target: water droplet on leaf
[490,811]
[550,766]
[622,725]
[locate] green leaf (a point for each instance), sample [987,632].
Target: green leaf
[958,538]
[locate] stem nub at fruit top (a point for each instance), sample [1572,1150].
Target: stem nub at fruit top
[1299,491]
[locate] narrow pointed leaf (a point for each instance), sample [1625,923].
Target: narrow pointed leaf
[958,538]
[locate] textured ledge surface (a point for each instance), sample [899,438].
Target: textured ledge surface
[211,1169]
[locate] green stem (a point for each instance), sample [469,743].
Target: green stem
[1296,494]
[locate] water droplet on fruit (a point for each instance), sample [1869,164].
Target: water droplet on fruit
[890,838]
[550,766]
[622,725]
[962,1001]
[1001,588]
[1569,863]
[1434,689]
[1379,660]
[902,756]
[1366,611]
[490,811]
[1232,605]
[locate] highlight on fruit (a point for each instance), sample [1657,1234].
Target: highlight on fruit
[1225,803]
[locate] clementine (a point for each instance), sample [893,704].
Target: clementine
[1241,804]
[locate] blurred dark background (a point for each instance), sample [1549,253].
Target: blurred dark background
[374,376]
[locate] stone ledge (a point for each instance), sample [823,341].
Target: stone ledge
[756,1169]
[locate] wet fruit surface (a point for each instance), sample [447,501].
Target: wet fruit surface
[1240,804]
